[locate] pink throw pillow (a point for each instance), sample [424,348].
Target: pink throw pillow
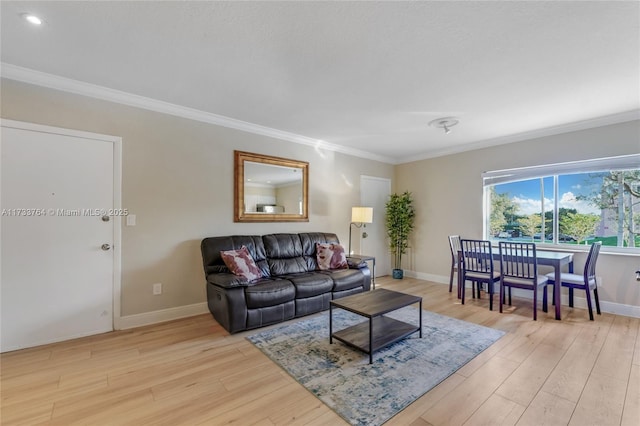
[331,256]
[241,263]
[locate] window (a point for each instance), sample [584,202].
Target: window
[567,204]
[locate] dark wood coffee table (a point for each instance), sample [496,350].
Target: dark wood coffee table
[379,331]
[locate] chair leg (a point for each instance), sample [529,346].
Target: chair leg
[589,303]
[545,306]
[490,288]
[509,296]
[451,280]
[595,294]
[535,303]
[571,297]
[461,289]
[501,296]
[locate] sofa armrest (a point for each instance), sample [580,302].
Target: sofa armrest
[356,263]
[227,280]
[228,306]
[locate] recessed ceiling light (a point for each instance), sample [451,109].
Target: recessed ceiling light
[33,19]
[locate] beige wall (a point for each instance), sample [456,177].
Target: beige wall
[257,194]
[178,179]
[448,198]
[289,197]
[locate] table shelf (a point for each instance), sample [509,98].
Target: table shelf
[385,332]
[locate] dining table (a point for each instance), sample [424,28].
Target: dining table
[555,259]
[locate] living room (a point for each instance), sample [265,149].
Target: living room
[177,177]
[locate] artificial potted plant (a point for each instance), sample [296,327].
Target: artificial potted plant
[399,223]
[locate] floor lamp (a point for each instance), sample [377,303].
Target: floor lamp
[359,216]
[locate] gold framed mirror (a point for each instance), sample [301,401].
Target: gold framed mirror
[270,189]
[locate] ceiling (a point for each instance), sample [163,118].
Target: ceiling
[361,77]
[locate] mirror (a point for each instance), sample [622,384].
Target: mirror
[270,189]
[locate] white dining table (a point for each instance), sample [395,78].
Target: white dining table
[555,259]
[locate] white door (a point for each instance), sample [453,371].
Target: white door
[374,192]
[57,278]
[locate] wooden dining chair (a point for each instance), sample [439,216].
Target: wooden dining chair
[519,269]
[586,281]
[454,245]
[476,265]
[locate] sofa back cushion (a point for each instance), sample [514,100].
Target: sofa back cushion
[284,254]
[212,246]
[309,241]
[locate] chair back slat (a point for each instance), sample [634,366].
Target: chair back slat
[454,244]
[518,260]
[592,258]
[477,256]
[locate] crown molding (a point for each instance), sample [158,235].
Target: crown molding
[38,78]
[26,75]
[533,134]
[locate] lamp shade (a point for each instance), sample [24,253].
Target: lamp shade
[362,214]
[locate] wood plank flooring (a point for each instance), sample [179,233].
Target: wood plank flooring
[192,372]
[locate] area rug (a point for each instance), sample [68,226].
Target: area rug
[370,394]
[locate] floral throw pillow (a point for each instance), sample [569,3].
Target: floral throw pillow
[241,263]
[331,256]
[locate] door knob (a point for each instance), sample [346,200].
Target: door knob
[105,247]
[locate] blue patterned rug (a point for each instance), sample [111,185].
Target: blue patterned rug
[370,394]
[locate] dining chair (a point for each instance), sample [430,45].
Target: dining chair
[476,265]
[586,281]
[454,245]
[519,269]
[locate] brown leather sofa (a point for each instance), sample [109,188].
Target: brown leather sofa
[291,285]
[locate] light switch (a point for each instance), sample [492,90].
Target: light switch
[131,220]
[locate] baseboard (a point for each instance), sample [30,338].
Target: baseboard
[154,317]
[54,340]
[578,302]
[440,279]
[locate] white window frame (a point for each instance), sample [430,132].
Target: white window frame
[623,162]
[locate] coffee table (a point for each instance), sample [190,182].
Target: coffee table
[380,330]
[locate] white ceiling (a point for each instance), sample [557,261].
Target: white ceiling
[365,76]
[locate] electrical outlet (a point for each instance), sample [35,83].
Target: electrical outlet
[157,289]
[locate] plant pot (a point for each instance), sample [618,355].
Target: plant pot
[398,274]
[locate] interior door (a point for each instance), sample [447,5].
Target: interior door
[57,256]
[374,192]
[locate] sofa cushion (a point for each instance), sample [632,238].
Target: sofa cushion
[330,256]
[310,284]
[269,293]
[241,263]
[284,254]
[345,279]
[212,246]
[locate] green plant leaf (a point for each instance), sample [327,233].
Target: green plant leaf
[399,221]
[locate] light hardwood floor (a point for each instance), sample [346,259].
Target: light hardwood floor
[192,372]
